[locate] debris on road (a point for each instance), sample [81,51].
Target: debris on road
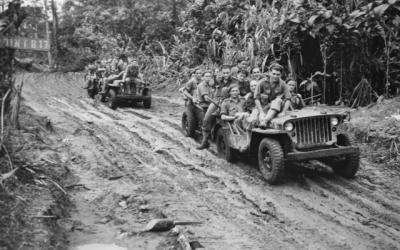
[161,225]
[113,178]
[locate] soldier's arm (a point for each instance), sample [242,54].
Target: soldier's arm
[188,87]
[225,116]
[257,98]
[124,75]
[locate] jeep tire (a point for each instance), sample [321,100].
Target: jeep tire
[91,93]
[349,166]
[271,160]
[189,124]
[147,103]
[112,99]
[223,147]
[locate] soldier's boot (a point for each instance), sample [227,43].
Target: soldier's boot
[204,142]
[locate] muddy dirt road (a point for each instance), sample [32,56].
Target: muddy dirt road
[132,165]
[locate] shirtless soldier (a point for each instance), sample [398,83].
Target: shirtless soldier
[271,95]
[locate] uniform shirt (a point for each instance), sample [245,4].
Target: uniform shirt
[204,89]
[222,88]
[232,106]
[191,85]
[266,93]
[244,86]
[249,103]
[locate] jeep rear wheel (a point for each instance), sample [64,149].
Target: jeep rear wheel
[349,166]
[189,124]
[223,147]
[91,93]
[271,160]
[112,96]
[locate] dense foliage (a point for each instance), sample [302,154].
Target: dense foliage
[355,43]
[106,28]
[348,40]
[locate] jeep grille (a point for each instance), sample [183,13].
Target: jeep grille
[313,131]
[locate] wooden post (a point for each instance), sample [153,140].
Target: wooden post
[49,56]
[54,32]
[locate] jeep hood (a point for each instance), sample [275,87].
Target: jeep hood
[310,112]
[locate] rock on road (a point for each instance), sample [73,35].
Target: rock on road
[138,167]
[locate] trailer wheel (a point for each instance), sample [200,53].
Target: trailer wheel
[349,166]
[223,147]
[271,160]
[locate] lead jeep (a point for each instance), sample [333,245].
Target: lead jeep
[300,135]
[128,92]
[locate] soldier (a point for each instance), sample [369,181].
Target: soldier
[256,74]
[243,83]
[296,101]
[206,92]
[271,95]
[244,67]
[190,94]
[232,110]
[119,68]
[131,76]
[226,77]
[91,76]
[191,86]
[221,93]
[234,71]
[232,107]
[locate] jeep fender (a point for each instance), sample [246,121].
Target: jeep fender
[282,137]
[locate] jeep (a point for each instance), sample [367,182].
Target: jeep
[128,92]
[301,135]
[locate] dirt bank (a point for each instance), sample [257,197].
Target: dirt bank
[132,165]
[377,127]
[32,200]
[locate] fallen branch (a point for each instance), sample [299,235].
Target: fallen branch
[8,156]
[15,106]
[76,185]
[45,217]
[57,185]
[5,176]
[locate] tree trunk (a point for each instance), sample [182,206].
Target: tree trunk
[14,16]
[54,31]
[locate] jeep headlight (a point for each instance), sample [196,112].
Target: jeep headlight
[334,121]
[289,126]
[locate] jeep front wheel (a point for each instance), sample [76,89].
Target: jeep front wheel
[271,160]
[349,166]
[223,147]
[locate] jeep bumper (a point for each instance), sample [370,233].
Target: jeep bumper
[322,153]
[132,98]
